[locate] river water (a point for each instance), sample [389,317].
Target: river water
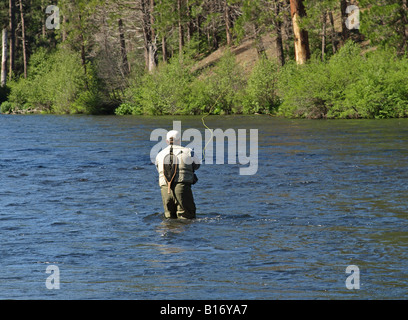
[80,193]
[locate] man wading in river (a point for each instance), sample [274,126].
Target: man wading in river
[176,166]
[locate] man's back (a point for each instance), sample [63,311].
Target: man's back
[177,196]
[186,164]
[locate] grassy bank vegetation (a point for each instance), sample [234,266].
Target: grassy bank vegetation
[56,84]
[147,60]
[348,85]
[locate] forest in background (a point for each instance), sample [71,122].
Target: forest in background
[313,59]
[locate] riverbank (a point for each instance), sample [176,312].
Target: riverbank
[16,110]
[350,85]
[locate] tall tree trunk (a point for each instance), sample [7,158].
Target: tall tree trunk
[227,22]
[333,32]
[345,32]
[163,39]
[214,38]
[164,48]
[83,58]
[23,39]
[152,60]
[153,43]
[198,25]
[149,34]
[324,18]
[146,31]
[189,22]
[123,53]
[302,50]
[4,58]
[211,26]
[278,38]
[12,35]
[83,54]
[180,27]
[287,29]
[64,28]
[404,13]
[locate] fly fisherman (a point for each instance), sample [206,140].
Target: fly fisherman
[176,166]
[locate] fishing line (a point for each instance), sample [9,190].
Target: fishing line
[212,135]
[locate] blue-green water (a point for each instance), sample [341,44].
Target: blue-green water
[80,193]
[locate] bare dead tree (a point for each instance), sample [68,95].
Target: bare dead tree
[23,38]
[302,50]
[4,58]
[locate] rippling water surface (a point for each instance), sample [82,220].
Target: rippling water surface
[80,193]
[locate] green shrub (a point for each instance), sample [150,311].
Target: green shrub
[166,90]
[128,109]
[349,85]
[227,85]
[57,82]
[219,90]
[261,92]
[303,90]
[86,102]
[381,89]
[7,107]
[4,93]
[202,98]
[19,92]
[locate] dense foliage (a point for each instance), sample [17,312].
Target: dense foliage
[349,85]
[141,57]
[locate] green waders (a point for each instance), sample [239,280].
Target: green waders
[179,203]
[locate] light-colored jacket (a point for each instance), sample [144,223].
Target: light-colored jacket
[187,164]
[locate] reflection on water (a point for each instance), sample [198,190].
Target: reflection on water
[169,227]
[81,193]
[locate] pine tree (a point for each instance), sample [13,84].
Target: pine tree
[12,35]
[385,23]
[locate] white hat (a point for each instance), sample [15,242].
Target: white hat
[173,134]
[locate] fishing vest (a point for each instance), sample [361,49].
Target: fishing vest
[185,170]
